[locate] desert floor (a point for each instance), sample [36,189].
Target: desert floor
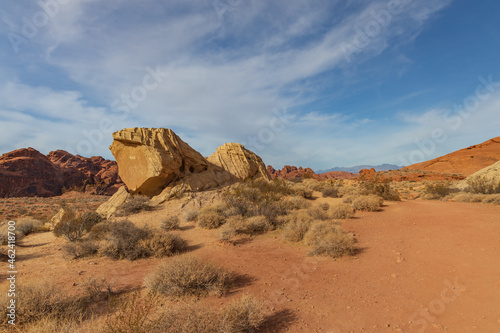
[423,266]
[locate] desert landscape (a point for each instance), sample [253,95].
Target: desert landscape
[226,244]
[249,166]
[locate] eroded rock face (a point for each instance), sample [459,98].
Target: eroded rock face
[109,207]
[239,161]
[292,172]
[27,172]
[490,174]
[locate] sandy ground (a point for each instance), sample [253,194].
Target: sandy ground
[424,266]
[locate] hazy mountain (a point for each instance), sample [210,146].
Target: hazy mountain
[358,168]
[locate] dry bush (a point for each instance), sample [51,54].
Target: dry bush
[296,227]
[349,198]
[369,203]
[483,185]
[191,215]
[330,239]
[27,225]
[170,223]
[311,183]
[162,244]
[189,275]
[295,203]
[382,189]
[97,288]
[469,197]
[41,299]
[243,315]
[302,191]
[210,220]
[80,249]
[98,231]
[4,234]
[341,211]
[348,190]
[227,233]
[330,192]
[317,213]
[257,224]
[73,225]
[122,241]
[324,205]
[492,199]
[438,190]
[135,204]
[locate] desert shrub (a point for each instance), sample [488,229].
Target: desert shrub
[122,241]
[97,288]
[4,234]
[330,239]
[341,211]
[330,192]
[483,185]
[369,203]
[162,244]
[257,224]
[98,231]
[492,199]
[382,189]
[347,190]
[27,225]
[210,220]
[243,315]
[469,197]
[302,191]
[189,275]
[80,249]
[191,215]
[295,202]
[296,227]
[259,198]
[350,198]
[324,205]
[40,300]
[135,204]
[170,223]
[438,190]
[73,225]
[317,213]
[227,233]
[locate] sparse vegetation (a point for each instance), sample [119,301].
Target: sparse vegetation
[191,215]
[134,205]
[330,192]
[210,220]
[72,225]
[162,244]
[27,225]
[483,185]
[438,190]
[189,275]
[296,227]
[330,239]
[80,249]
[341,211]
[382,189]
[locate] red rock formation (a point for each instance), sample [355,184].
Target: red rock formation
[367,174]
[27,172]
[464,161]
[291,172]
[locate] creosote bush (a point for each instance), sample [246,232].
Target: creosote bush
[438,190]
[135,204]
[330,192]
[189,275]
[296,227]
[330,239]
[122,241]
[162,244]
[80,249]
[210,220]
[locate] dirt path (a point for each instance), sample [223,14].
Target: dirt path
[425,266]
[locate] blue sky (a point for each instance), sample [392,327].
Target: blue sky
[317,83]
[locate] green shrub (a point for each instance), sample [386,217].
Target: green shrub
[188,275]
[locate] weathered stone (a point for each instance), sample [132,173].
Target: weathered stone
[109,207]
[239,161]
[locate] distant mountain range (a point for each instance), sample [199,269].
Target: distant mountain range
[358,168]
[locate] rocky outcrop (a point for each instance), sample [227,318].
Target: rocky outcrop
[151,159]
[292,172]
[109,207]
[488,175]
[27,172]
[239,161]
[465,161]
[367,174]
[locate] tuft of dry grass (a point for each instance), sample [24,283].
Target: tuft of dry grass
[162,244]
[296,227]
[243,315]
[330,239]
[189,275]
[80,249]
[191,215]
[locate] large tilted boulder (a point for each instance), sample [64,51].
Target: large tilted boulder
[239,161]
